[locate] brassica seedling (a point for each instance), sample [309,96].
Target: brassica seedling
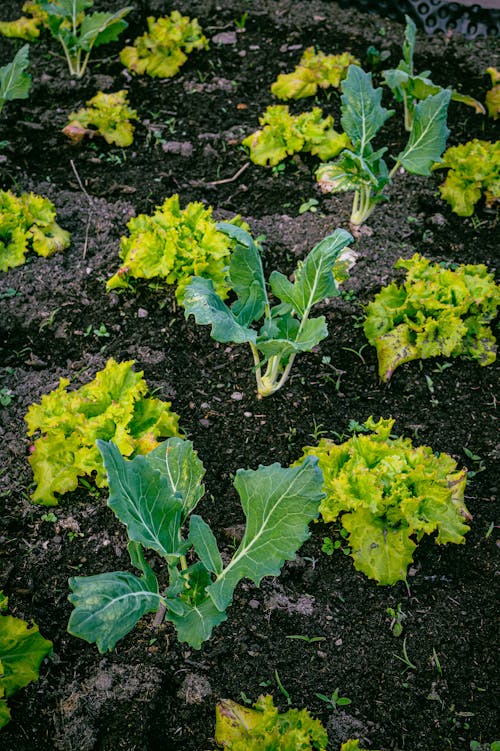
[79,32]
[15,83]
[409,88]
[364,170]
[287,328]
[154,496]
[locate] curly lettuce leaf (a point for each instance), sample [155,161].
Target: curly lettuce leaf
[262,728]
[67,423]
[164,48]
[175,245]
[315,70]
[108,114]
[22,28]
[22,649]
[474,171]
[436,311]
[387,494]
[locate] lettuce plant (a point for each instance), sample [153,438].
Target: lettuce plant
[493,95]
[315,70]
[175,245]
[262,728]
[287,328]
[15,83]
[154,495]
[78,32]
[25,27]
[67,423]
[28,221]
[435,312]
[284,134]
[164,48]
[22,649]
[364,170]
[409,88]
[474,171]
[110,116]
[387,495]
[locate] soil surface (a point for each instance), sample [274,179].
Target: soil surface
[153,692]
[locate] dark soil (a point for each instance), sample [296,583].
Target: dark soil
[153,692]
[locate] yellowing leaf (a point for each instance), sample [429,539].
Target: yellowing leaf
[110,116]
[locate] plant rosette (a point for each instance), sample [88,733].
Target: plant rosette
[108,114]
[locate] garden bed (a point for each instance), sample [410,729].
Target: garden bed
[58,320]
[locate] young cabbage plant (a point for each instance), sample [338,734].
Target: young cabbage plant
[409,88]
[287,328]
[15,83]
[364,170]
[79,32]
[154,495]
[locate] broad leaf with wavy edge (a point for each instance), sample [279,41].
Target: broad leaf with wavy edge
[362,112]
[107,606]
[428,134]
[202,301]
[278,503]
[182,471]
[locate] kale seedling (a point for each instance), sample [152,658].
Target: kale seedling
[287,328]
[22,649]
[15,83]
[437,311]
[409,88]
[387,495]
[110,116]
[154,496]
[474,170]
[364,170]
[164,48]
[79,32]
[315,70]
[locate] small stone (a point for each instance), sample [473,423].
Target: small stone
[338,643]
[247,414]
[225,37]
[204,422]
[184,148]
[254,604]
[142,313]
[236,396]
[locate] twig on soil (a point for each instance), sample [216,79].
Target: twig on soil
[226,179]
[89,199]
[160,615]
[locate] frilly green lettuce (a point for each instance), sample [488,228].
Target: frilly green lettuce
[315,70]
[474,171]
[110,116]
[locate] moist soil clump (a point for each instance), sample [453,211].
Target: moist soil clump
[153,692]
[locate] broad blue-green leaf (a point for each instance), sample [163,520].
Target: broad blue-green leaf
[100,28]
[246,275]
[406,63]
[314,278]
[278,504]
[15,83]
[203,540]
[378,550]
[291,341]
[202,301]
[362,112]
[181,468]
[107,606]
[196,622]
[142,499]
[138,560]
[428,134]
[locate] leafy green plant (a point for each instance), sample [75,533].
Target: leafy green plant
[315,70]
[284,134]
[409,88]
[397,617]
[335,700]
[15,83]
[437,311]
[110,116]
[175,245]
[67,423]
[164,48]
[388,495]
[474,171]
[153,496]
[28,221]
[364,170]
[263,728]
[22,649]
[25,27]
[287,328]
[493,95]
[78,32]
